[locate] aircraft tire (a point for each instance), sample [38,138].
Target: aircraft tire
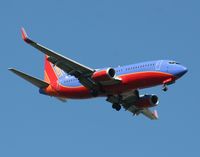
[116,106]
[164,88]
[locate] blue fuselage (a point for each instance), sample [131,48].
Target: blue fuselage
[165,66]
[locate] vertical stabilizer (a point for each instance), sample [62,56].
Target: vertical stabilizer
[51,72]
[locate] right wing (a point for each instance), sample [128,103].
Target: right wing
[57,59]
[83,73]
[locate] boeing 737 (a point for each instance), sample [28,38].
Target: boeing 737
[65,78]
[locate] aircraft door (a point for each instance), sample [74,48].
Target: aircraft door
[158,65]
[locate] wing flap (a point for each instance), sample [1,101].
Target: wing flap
[35,81]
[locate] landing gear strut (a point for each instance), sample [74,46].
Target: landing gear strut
[164,88]
[116,106]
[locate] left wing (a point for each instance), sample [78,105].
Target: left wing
[129,100]
[145,111]
[152,115]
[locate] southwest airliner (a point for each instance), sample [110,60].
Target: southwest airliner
[65,78]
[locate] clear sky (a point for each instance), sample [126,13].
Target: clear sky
[98,34]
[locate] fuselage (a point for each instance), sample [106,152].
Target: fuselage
[134,76]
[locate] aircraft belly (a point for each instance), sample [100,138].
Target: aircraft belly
[144,79]
[138,80]
[79,92]
[129,82]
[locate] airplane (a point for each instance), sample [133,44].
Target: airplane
[65,79]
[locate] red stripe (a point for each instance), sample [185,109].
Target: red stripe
[132,81]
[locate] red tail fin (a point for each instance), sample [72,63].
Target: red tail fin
[49,72]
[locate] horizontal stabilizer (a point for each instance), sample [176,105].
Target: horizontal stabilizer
[35,81]
[62,99]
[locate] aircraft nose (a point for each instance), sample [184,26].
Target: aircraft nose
[181,71]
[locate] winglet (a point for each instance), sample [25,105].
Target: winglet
[155,113]
[24,35]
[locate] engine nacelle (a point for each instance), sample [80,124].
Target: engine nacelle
[104,75]
[147,101]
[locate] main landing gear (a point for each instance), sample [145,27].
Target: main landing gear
[116,101]
[116,106]
[165,88]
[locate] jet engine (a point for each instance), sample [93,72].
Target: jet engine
[147,101]
[104,75]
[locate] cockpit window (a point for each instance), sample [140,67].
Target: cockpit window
[173,62]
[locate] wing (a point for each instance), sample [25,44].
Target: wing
[128,101]
[125,99]
[83,73]
[57,59]
[148,113]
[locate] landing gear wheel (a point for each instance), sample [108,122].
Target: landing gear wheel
[164,88]
[116,106]
[113,106]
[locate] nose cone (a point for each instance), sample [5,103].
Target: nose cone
[180,71]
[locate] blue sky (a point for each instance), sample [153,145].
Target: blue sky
[98,34]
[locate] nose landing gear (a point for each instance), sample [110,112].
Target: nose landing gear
[167,82]
[164,88]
